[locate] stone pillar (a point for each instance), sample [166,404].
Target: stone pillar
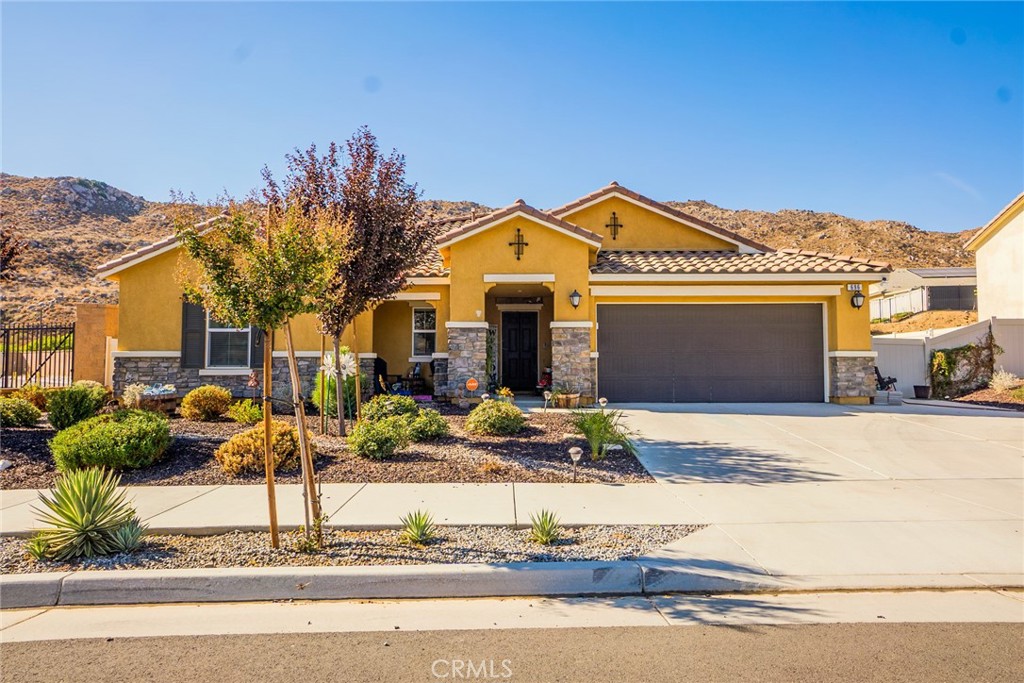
[851,379]
[367,366]
[440,374]
[571,365]
[467,357]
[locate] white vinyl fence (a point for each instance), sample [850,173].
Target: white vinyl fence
[907,359]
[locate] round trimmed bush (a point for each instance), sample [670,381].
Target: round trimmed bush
[379,439]
[99,392]
[243,452]
[427,426]
[495,418]
[383,406]
[205,403]
[71,405]
[126,439]
[18,412]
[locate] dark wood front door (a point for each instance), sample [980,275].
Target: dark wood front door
[519,349]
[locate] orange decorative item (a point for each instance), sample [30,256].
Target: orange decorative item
[472,384]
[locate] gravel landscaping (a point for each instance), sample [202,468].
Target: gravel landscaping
[993,398]
[537,454]
[453,545]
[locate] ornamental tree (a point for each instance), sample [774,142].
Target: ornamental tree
[383,237]
[259,264]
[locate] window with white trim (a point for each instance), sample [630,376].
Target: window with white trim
[424,332]
[226,347]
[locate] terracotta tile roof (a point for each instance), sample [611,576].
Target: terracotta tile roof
[728,262]
[149,249]
[518,207]
[614,188]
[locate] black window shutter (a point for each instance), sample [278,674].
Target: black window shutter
[193,335]
[256,348]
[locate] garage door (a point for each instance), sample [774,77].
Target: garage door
[710,353]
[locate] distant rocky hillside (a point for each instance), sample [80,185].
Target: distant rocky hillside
[72,225]
[898,243]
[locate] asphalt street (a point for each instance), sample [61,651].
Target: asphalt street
[795,654]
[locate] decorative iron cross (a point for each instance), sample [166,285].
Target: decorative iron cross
[518,243]
[614,225]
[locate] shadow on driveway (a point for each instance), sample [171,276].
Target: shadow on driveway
[721,463]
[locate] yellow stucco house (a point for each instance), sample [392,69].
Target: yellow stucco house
[613,294]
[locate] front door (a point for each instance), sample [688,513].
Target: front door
[519,349]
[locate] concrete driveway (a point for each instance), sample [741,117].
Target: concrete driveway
[823,495]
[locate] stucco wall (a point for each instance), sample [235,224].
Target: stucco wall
[488,252]
[643,228]
[1000,262]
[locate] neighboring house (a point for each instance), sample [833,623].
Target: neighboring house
[618,295]
[999,252]
[924,289]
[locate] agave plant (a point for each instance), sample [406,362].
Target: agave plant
[418,527]
[544,527]
[86,517]
[128,537]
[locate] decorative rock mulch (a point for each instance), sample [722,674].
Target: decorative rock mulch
[453,545]
[537,454]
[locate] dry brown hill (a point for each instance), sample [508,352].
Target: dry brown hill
[74,224]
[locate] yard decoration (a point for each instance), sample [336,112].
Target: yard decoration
[384,237]
[259,264]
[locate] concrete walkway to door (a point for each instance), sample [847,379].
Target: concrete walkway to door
[819,495]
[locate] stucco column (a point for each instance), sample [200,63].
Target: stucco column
[851,376]
[467,356]
[571,364]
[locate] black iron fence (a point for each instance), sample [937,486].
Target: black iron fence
[37,354]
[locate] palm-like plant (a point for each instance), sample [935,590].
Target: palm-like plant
[602,428]
[418,527]
[545,528]
[86,517]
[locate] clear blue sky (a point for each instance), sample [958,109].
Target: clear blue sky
[904,111]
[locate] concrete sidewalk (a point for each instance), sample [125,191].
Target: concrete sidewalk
[205,510]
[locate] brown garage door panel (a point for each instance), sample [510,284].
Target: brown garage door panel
[717,352]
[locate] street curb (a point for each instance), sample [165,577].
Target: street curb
[149,586]
[619,578]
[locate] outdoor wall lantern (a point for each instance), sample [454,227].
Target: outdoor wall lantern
[857,300]
[575,298]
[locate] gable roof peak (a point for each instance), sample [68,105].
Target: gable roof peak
[614,188]
[519,207]
[520,201]
[613,183]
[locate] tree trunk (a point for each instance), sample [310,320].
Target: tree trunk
[268,449]
[339,387]
[309,482]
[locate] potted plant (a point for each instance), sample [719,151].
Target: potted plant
[922,391]
[565,397]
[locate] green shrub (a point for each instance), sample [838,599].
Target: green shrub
[418,528]
[71,405]
[34,394]
[17,412]
[427,426]
[1018,393]
[383,406]
[602,428]
[99,392]
[87,517]
[331,399]
[205,403]
[544,527]
[379,439]
[497,418]
[131,397]
[245,412]
[244,452]
[126,439]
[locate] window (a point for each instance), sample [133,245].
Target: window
[226,347]
[424,332]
